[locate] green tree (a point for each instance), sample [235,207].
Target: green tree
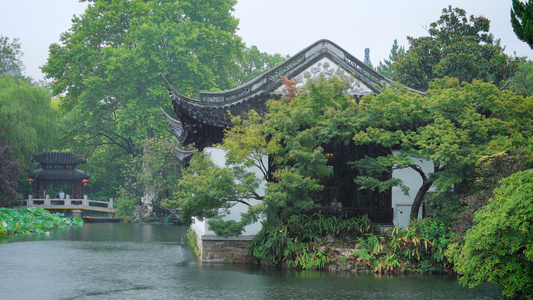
[499,248]
[291,136]
[490,171]
[209,191]
[385,68]
[452,127]
[109,62]
[255,63]
[26,126]
[10,57]
[26,117]
[10,173]
[521,19]
[457,46]
[522,81]
[107,66]
[157,168]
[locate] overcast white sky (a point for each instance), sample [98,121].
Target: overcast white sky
[278,26]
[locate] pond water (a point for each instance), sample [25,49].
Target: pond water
[149,261]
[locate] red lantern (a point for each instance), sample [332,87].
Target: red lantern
[30,181]
[85,181]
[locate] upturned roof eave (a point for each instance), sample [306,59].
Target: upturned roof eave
[58,158]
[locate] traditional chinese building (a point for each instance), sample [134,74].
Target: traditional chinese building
[201,121]
[58,169]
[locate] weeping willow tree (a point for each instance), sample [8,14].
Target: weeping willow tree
[26,126]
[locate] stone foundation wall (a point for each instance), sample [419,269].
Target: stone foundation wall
[227,250]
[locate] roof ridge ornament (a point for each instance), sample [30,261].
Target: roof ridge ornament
[367,58]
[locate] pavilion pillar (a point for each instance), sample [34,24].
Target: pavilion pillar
[77,213]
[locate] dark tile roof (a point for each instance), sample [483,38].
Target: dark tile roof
[59,158]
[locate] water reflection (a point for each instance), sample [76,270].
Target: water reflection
[141,261]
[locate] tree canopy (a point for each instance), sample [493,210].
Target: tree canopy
[106,72]
[26,126]
[522,81]
[457,46]
[499,248]
[107,68]
[26,117]
[385,68]
[255,62]
[522,20]
[10,57]
[452,127]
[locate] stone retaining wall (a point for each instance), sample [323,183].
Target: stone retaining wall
[228,250]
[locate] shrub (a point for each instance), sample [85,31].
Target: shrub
[499,247]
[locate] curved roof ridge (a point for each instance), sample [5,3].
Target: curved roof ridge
[58,157]
[271,79]
[172,90]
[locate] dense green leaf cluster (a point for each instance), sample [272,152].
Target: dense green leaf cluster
[453,127]
[522,20]
[499,247]
[27,125]
[419,248]
[10,57]
[309,242]
[458,46]
[522,80]
[157,168]
[297,241]
[32,220]
[110,59]
[106,71]
[26,117]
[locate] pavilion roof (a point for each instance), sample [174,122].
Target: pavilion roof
[59,158]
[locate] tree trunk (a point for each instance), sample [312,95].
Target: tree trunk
[419,198]
[426,184]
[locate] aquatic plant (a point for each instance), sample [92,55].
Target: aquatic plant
[32,220]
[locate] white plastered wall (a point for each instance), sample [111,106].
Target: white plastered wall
[201,228]
[402,203]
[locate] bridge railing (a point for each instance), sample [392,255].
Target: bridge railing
[68,203]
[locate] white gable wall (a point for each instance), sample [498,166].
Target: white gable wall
[402,203]
[218,157]
[325,67]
